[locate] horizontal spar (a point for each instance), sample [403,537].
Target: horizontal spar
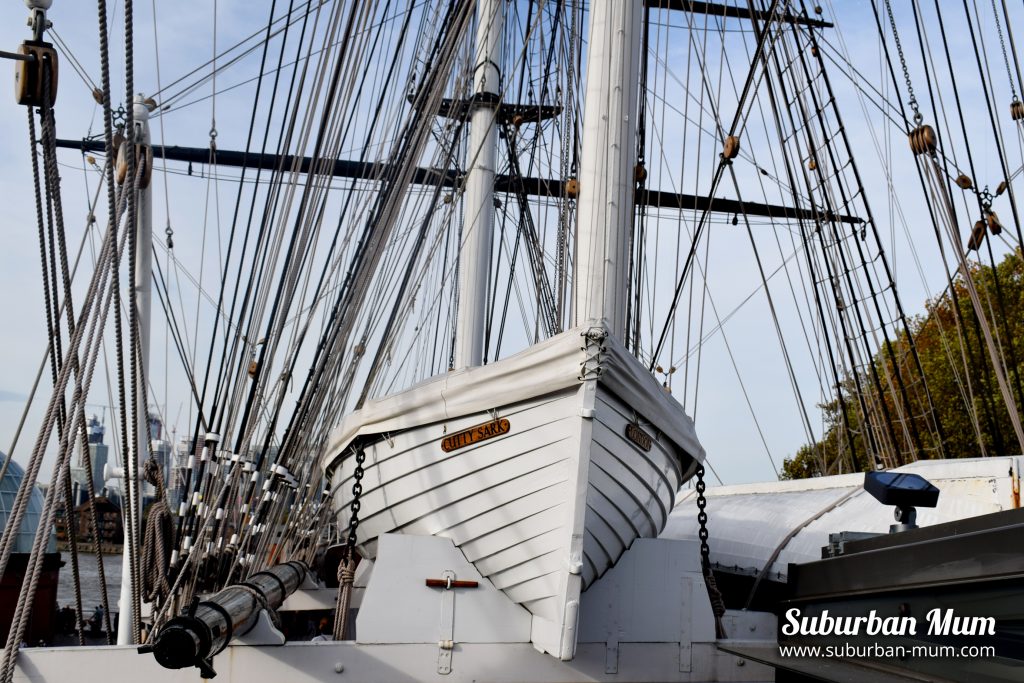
[538,187]
[736,12]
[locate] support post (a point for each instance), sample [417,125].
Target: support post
[478,229]
[141,297]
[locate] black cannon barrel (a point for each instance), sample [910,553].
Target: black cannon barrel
[193,639]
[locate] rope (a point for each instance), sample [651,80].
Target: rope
[346,575]
[112,209]
[931,164]
[157,543]
[733,130]
[94,323]
[346,569]
[138,407]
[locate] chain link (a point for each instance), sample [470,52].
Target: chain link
[702,519]
[357,491]
[1002,46]
[903,63]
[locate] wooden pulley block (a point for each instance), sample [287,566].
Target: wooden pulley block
[572,188]
[28,74]
[1002,188]
[731,148]
[517,120]
[994,226]
[147,166]
[922,140]
[1017,110]
[812,165]
[121,168]
[963,182]
[639,173]
[977,235]
[814,50]
[145,159]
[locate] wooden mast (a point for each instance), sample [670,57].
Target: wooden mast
[608,156]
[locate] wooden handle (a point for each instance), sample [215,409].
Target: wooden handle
[443,583]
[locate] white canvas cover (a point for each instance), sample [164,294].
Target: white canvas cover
[544,368]
[750,522]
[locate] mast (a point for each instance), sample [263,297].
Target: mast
[478,232]
[141,297]
[605,209]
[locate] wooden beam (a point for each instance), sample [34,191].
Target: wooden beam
[732,11]
[538,187]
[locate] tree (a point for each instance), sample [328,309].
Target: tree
[966,415]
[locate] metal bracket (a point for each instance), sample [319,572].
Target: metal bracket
[686,631]
[264,632]
[310,582]
[611,657]
[446,641]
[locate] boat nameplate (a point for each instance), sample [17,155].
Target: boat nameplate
[475,434]
[638,436]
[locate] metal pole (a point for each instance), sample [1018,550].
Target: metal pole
[478,231]
[141,298]
[608,156]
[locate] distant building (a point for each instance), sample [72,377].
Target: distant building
[178,471]
[109,517]
[97,452]
[161,450]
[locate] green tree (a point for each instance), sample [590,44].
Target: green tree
[970,412]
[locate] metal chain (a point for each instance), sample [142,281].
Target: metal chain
[357,491]
[346,568]
[714,594]
[702,519]
[903,63]
[1002,46]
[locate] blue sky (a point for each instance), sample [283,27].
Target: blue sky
[198,209]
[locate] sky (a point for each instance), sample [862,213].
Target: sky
[187,33]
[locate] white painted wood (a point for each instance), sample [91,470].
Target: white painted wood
[643,598]
[399,608]
[305,662]
[543,510]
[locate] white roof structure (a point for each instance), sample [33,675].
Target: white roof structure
[30,522]
[748,523]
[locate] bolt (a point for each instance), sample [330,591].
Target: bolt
[740,662]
